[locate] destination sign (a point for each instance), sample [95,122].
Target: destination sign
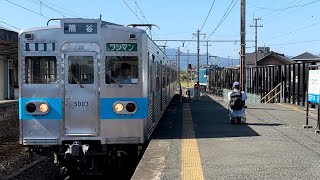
[80,28]
[121,47]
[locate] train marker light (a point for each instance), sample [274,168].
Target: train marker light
[118,107]
[31,107]
[131,107]
[44,108]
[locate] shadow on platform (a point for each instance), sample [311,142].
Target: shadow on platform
[264,124]
[210,120]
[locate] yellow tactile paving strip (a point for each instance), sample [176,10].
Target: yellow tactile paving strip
[296,109]
[191,167]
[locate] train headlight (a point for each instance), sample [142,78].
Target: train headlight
[31,107]
[131,107]
[43,107]
[118,107]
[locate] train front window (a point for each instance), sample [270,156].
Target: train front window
[121,70]
[40,69]
[81,70]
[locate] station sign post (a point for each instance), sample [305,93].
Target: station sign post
[313,96]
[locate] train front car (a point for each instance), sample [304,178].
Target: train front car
[82,92]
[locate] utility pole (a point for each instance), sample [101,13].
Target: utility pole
[188,70]
[207,52]
[198,55]
[243,44]
[180,89]
[256,37]
[229,61]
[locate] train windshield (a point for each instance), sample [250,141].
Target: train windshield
[81,70]
[40,69]
[121,70]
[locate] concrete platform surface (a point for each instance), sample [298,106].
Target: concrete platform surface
[195,140]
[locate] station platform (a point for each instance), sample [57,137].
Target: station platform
[195,140]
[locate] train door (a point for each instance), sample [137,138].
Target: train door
[152,82]
[81,94]
[161,88]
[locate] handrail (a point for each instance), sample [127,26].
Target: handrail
[274,96]
[264,97]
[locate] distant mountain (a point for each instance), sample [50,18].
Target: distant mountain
[220,61]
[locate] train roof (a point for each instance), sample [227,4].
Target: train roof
[81,20]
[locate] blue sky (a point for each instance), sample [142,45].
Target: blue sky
[289,26]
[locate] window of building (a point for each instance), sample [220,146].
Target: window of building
[122,69]
[40,69]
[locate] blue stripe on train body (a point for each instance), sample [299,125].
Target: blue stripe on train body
[106,109]
[107,113]
[55,112]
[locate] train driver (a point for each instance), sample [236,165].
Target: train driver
[124,77]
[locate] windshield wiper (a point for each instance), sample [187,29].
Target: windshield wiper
[114,79]
[74,77]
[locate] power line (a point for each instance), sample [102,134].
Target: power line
[264,8]
[282,10]
[299,42]
[224,17]
[10,25]
[41,3]
[285,34]
[70,12]
[192,40]
[27,9]
[208,14]
[290,7]
[53,9]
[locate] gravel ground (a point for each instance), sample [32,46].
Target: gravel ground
[14,159]
[45,169]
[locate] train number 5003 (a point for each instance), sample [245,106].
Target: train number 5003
[80,103]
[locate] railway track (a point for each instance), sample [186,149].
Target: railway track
[9,143]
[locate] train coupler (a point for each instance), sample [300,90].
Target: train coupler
[76,149]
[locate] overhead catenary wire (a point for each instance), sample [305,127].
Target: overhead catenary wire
[145,19]
[141,11]
[132,11]
[68,12]
[28,9]
[49,7]
[207,15]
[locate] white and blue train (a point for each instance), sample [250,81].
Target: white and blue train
[91,91]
